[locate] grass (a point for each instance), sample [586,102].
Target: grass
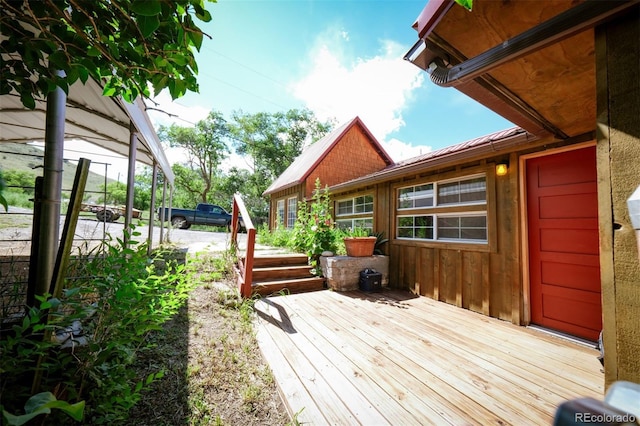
[214,370]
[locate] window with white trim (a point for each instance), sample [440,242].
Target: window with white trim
[426,211]
[467,227]
[415,197]
[292,211]
[462,191]
[280,212]
[415,227]
[366,223]
[353,206]
[356,212]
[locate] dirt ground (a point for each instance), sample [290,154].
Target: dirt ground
[214,371]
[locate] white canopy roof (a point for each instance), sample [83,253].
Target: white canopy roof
[90,116]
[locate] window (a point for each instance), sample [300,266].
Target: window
[358,205]
[366,223]
[361,210]
[415,227]
[462,192]
[291,211]
[416,197]
[471,228]
[467,223]
[280,213]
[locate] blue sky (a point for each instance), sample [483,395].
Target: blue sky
[337,58]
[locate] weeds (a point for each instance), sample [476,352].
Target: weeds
[218,375]
[106,314]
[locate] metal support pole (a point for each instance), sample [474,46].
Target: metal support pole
[131,176]
[152,207]
[169,227]
[52,189]
[164,203]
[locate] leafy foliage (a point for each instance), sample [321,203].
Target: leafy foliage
[467,4]
[3,187]
[21,182]
[116,193]
[118,299]
[269,142]
[274,140]
[278,237]
[124,43]
[42,403]
[205,146]
[314,232]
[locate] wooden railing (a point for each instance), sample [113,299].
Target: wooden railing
[244,267]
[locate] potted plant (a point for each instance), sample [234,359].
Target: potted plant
[358,242]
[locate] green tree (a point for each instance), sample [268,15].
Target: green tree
[273,140]
[124,43]
[114,193]
[205,146]
[20,181]
[248,185]
[188,187]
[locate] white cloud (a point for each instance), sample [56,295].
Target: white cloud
[399,150]
[377,89]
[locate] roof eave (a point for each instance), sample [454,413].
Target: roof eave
[495,147]
[270,191]
[431,15]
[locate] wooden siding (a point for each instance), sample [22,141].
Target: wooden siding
[297,190]
[618,158]
[352,157]
[484,278]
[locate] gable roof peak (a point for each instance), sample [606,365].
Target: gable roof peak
[308,160]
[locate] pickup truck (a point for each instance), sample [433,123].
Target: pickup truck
[204,214]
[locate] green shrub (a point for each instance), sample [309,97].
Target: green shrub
[314,231]
[278,237]
[18,199]
[119,298]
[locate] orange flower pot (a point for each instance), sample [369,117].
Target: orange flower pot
[360,246]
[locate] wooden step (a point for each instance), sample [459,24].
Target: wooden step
[280,260]
[281,272]
[271,288]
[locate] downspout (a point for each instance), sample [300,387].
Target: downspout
[51,190]
[560,27]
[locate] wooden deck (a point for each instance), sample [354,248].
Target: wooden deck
[391,358]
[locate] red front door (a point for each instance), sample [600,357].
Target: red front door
[562,214]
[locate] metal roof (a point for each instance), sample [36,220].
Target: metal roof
[92,117]
[307,161]
[494,142]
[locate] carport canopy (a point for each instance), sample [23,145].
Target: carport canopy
[90,116]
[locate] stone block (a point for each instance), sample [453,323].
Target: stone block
[343,272]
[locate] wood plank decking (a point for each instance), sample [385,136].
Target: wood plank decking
[392,358]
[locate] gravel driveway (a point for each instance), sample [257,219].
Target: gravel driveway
[15,234]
